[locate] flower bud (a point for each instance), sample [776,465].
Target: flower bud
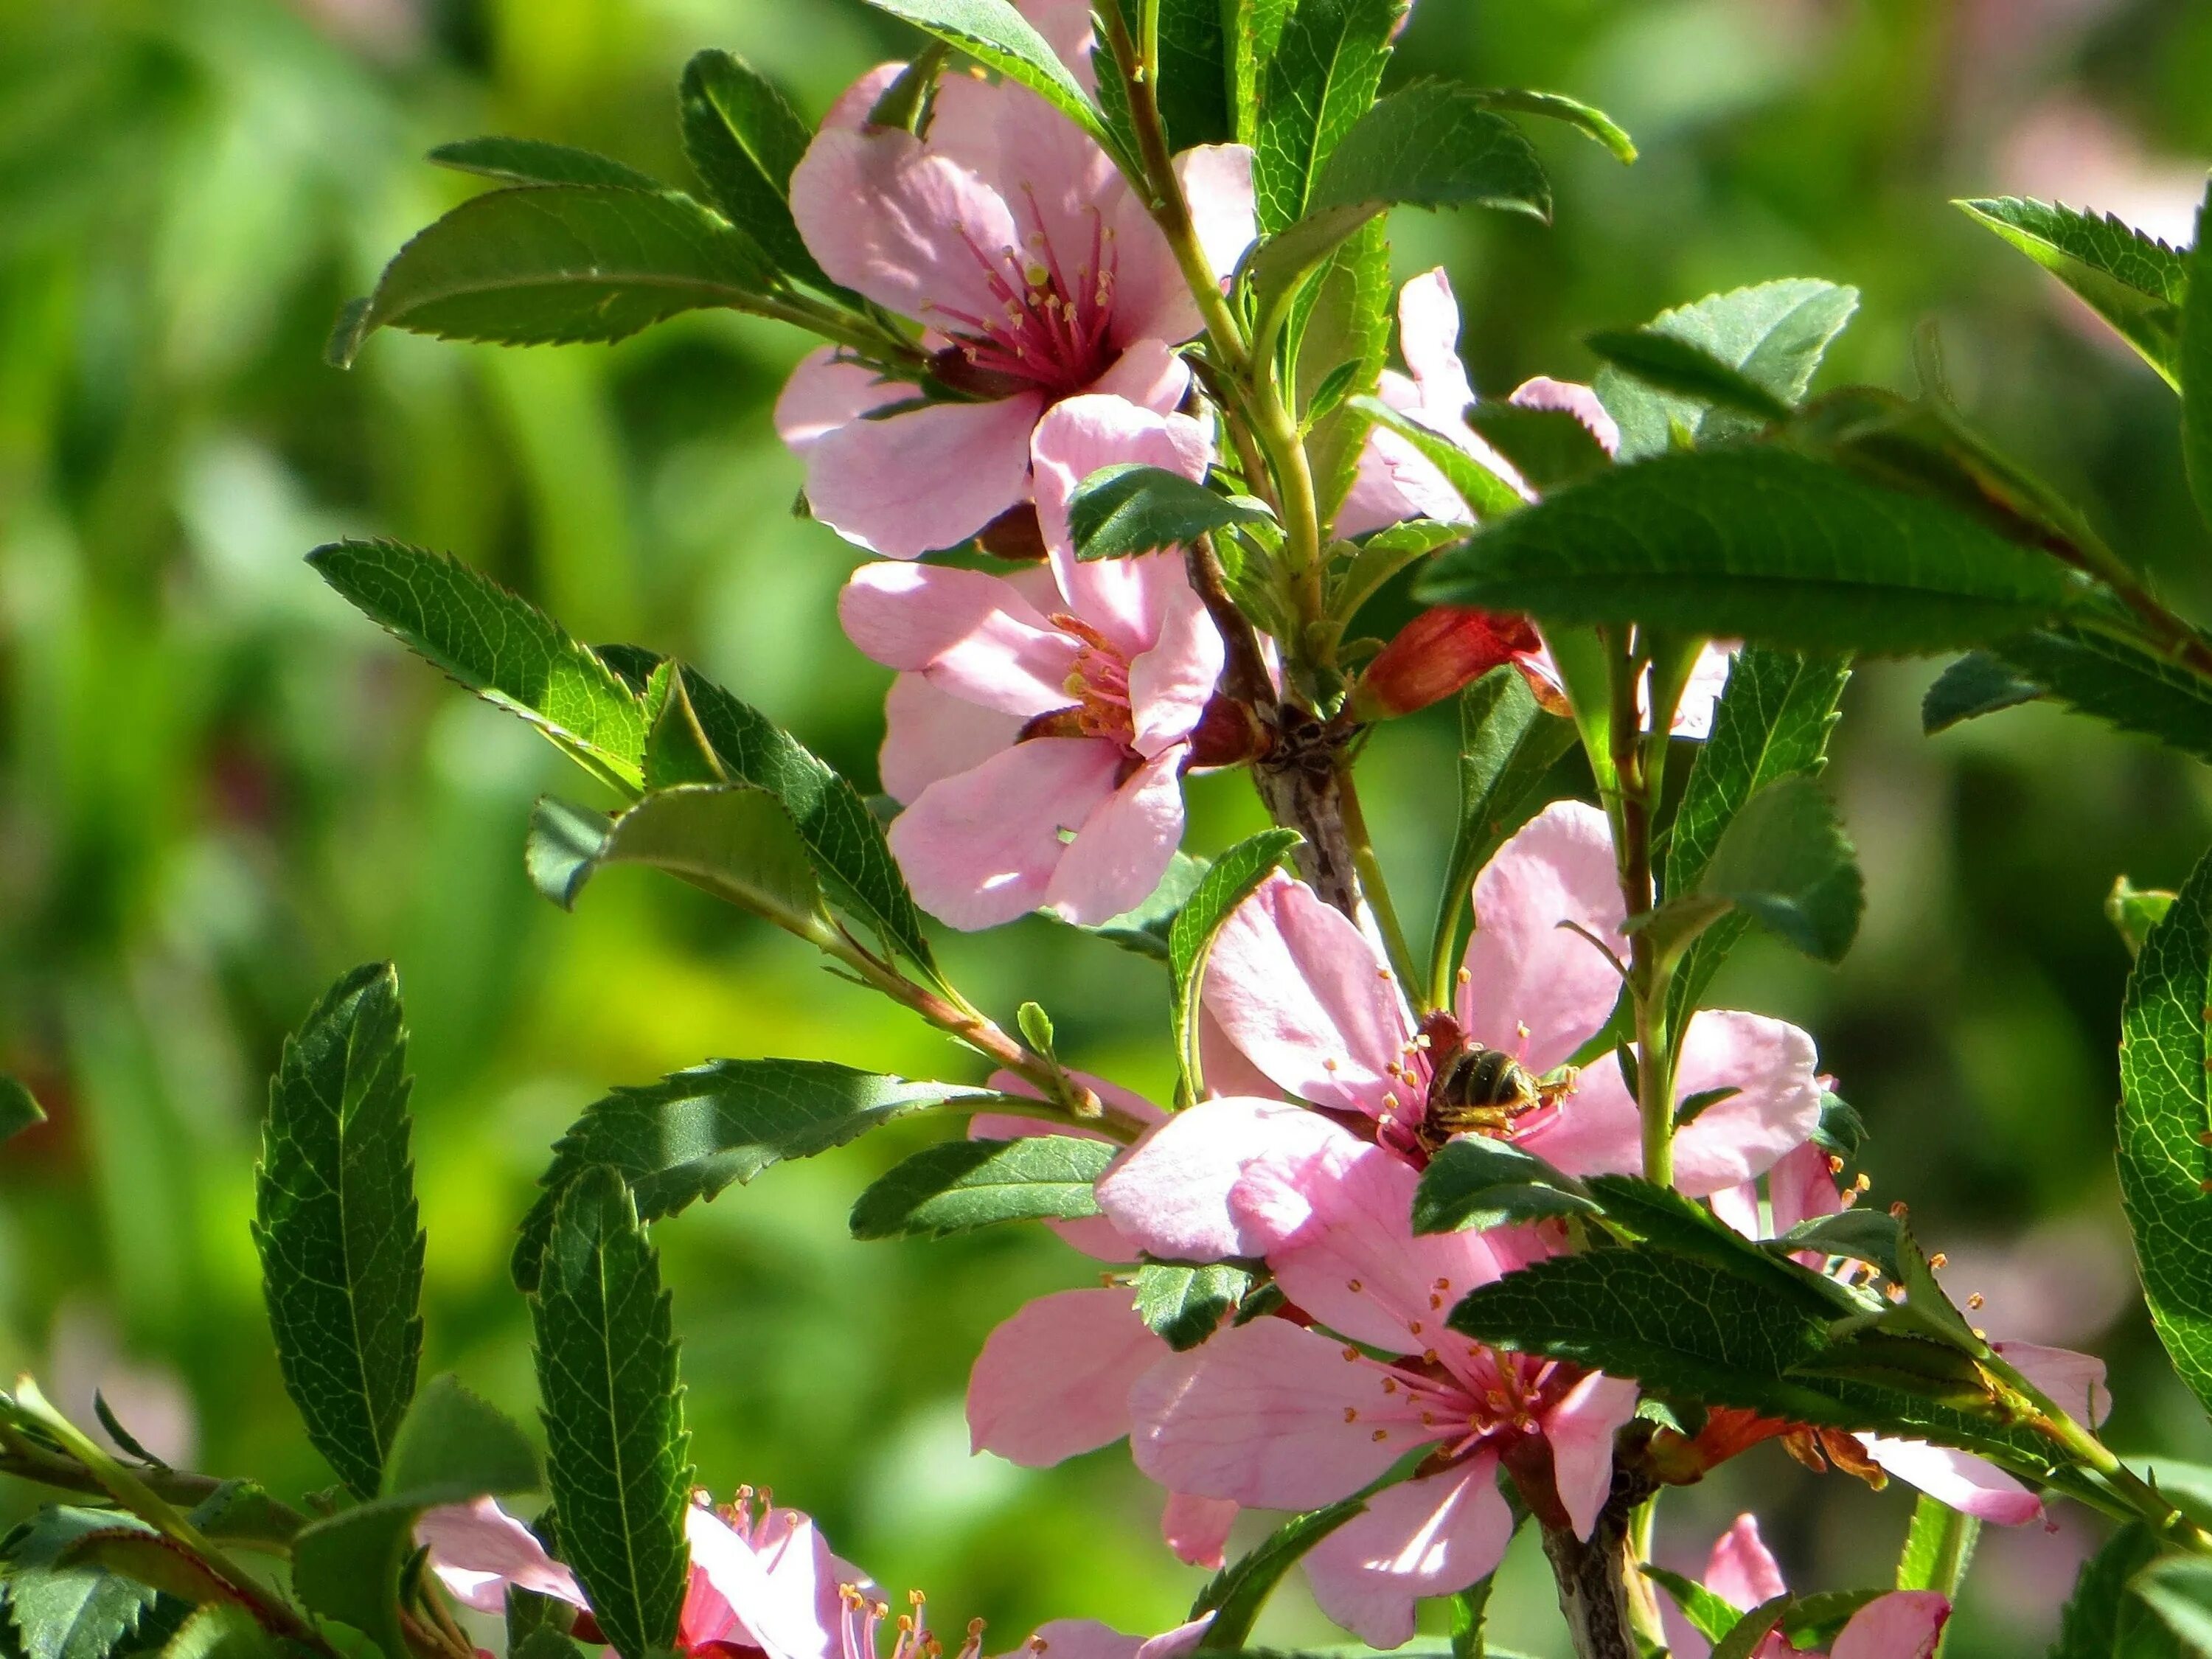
[1435,654]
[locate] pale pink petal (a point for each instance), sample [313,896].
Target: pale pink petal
[1216,181]
[1742,1570]
[1577,400]
[1801,1187]
[1428,340]
[1227,1071]
[826,391]
[1258,1413]
[850,111]
[1065,26]
[1124,847]
[1902,1625]
[1197,1528]
[1701,693]
[1149,374]
[477,1550]
[973,634]
[1773,1066]
[1596,1129]
[1171,1192]
[2074,1382]
[1308,998]
[1422,1538]
[1965,1482]
[1528,970]
[1580,1429]
[1176,1644]
[1739,1207]
[1336,1229]
[1169,684]
[777,1591]
[982,849]
[930,734]
[1053,1379]
[1061,191]
[910,484]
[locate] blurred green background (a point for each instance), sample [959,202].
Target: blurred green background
[218,787]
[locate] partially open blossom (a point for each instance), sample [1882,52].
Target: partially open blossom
[1742,1572]
[1441,650]
[1042,722]
[1036,273]
[762,1578]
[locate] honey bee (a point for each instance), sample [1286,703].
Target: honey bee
[1476,1089]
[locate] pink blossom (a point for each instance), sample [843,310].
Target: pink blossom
[761,1578]
[1902,1625]
[1036,273]
[1040,725]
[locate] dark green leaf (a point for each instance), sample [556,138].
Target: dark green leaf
[1775,334]
[2197,366]
[619,1465]
[498,644]
[1558,106]
[1640,1210]
[2179,1589]
[687,1137]
[1684,369]
[64,1609]
[19,1109]
[1812,1622]
[1759,544]
[1193,90]
[1549,447]
[1382,556]
[2136,282]
[1144,929]
[219,1630]
[1786,861]
[1712,1617]
[2165,1119]
[1229,881]
[2134,911]
[959,1186]
[1255,29]
[1980,682]
[732,841]
[1235,1594]
[999,37]
[240,1510]
[1476,1182]
[454,1445]
[2090,1626]
[335,1224]
[743,138]
[545,1642]
[1320,80]
[1184,1304]
[1863,1234]
[1748,1633]
[549,264]
[1489,496]
[534,161]
[1129,508]
[2129,686]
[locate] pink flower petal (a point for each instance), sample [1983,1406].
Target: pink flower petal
[1580,1429]
[1061,191]
[1773,1066]
[1429,1537]
[1308,998]
[850,111]
[825,392]
[930,734]
[1053,1379]
[2074,1382]
[1175,1644]
[477,1550]
[777,1591]
[1801,1187]
[1149,374]
[1197,1528]
[1170,684]
[1171,1192]
[1596,1130]
[1065,26]
[908,484]
[1742,1570]
[973,634]
[1739,1207]
[1257,1414]
[982,849]
[1701,693]
[1227,1071]
[1124,847]
[1579,401]
[1217,181]
[1902,1625]
[1967,1483]
[1525,969]
[1428,340]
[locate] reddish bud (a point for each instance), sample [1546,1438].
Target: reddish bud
[1435,654]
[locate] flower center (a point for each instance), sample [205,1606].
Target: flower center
[1051,328]
[1098,680]
[861,1623]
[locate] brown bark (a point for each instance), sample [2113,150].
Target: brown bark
[1298,779]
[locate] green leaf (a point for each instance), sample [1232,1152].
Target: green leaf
[2089,1628]
[1321,79]
[1235,1594]
[1772,722]
[1939,1548]
[1488,495]
[1549,447]
[1476,1182]
[704,735]
[1749,1633]
[1377,558]
[1129,508]
[1684,369]
[2166,1119]
[334,1225]
[1000,38]
[220,1630]
[959,1186]
[1144,928]
[1227,884]
[1183,1304]
[1812,1622]
[534,161]
[1255,29]
[1759,545]
[1341,335]
[2179,1589]
[1586,119]
[545,265]
[2130,686]
[1786,861]
[1712,1617]
[2136,282]
[732,841]
[453,1445]
[19,1109]
[619,1465]
[687,1137]
[1774,334]
[62,1608]
[496,644]
[1980,682]
[2197,365]
[1863,1234]
[2134,911]
[743,138]
[1194,91]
